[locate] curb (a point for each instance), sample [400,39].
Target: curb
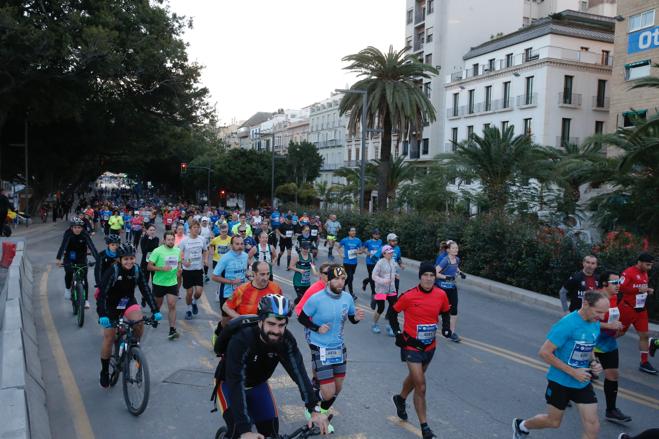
[22,391]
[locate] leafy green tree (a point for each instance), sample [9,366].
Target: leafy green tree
[427,192]
[395,101]
[304,161]
[400,171]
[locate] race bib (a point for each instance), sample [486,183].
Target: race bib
[289,233]
[640,300]
[171,261]
[426,333]
[352,254]
[580,294]
[306,277]
[314,232]
[581,354]
[72,255]
[223,249]
[195,254]
[169,220]
[614,315]
[373,252]
[331,356]
[123,303]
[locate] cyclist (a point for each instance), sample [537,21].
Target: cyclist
[117,299]
[332,227]
[246,297]
[447,269]
[75,244]
[165,263]
[106,258]
[194,256]
[285,236]
[422,306]
[350,247]
[252,355]
[372,247]
[302,265]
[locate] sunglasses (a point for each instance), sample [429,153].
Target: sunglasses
[242,231]
[616,282]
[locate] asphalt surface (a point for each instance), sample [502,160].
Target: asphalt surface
[474,388]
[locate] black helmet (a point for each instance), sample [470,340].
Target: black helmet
[76,221]
[113,239]
[274,305]
[125,250]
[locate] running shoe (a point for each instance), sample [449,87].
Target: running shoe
[207,279]
[647,368]
[390,332]
[455,338]
[173,334]
[375,329]
[188,315]
[426,433]
[616,415]
[87,306]
[624,436]
[105,380]
[195,309]
[399,402]
[653,345]
[517,433]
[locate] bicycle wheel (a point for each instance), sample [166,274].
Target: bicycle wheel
[73,298]
[136,381]
[80,303]
[221,433]
[115,368]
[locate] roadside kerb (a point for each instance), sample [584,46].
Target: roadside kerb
[22,391]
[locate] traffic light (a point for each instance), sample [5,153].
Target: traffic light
[222,193]
[184,167]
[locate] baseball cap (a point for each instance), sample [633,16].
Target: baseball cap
[375,231]
[392,237]
[387,249]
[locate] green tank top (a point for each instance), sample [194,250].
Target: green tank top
[299,279]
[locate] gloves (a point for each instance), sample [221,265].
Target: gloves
[447,333]
[400,340]
[104,322]
[462,275]
[157,316]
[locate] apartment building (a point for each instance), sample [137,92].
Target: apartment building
[328,130]
[287,126]
[441,32]
[247,132]
[550,80]
[636,49]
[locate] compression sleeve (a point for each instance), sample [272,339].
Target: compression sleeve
[392,316]
[236,363]
[306,322]
[292,361]
[446,321]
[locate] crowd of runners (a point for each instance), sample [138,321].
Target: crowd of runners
[182,248]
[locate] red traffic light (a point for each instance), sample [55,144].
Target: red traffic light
[222,193]
[184,167]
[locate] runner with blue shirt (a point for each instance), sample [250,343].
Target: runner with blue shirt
[230,272]
[447,270]
[349,248]
[569,352]
[372,247]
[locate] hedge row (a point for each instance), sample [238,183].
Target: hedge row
[516,251]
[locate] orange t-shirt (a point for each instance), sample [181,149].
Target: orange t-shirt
[245,298]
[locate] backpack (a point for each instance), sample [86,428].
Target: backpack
[223,335]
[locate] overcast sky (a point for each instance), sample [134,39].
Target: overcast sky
[261,55]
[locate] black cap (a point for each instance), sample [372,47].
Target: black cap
[645,257]
[375,231]
[426,267]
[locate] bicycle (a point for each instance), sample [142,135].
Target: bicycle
[127,359]
[301,433]
[78,293]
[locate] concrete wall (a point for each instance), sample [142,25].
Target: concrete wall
[22,391]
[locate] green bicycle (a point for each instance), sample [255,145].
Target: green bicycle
[78,293]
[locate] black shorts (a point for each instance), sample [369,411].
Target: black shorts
[414,356]
[162,291]
[193,278]
[452,294]
[285,244]
[608,360]
[558,396]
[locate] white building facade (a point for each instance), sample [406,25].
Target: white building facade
[327,130]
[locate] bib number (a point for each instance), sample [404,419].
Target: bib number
[640,300]
[352,254]
[289,233]
[306,277]
[123,303]
[171,261]
[614,315]
[331,356]
[195,254]
[581,354]
[314,232]
[426,333]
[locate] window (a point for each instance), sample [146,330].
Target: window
[426,89]
[454,138]
[356,154]
[529,55]
[584,48]
[486,126]
[470,131]
[565,131]
[527,126]
[456,102]
[601,93]
[429,35]
[470,108]
[488,98]
[630,117]
[425,146]
[506,94]
[528,91]
[410,16]
[567,89]
[350,155]
[490,64]
[474,69]
[641,21]
[431,6]
[599,127]
[606,57]
[637,70]
[509,60]
[406,147]
[408,42]
[428,59]
[504,125]
[583,5]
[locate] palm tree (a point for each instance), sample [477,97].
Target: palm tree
[323,191]
[400,171]
[499,160]
[395,100]
[353,177]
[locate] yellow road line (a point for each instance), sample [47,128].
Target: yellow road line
[405,425]
[81,421]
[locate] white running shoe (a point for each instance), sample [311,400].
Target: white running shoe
[87,304]
[67,294]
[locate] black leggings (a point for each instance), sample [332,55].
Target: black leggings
[266,428]
[380,304]
[68,278]
[137,235]
[369,279]
[652,433]
[350,271]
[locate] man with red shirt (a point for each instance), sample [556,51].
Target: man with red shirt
[421,306]
[245,298]
[633,306]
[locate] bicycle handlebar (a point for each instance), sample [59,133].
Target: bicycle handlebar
[130,323]
[303,432]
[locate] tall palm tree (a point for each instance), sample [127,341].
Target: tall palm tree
[323,191]
[400,171]
[353,177]
[499,160]
[395,100]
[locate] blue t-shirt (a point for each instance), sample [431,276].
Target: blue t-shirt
[214,218]
[231,224]
[325,308]
[127,220]
[232,266]
[373,247]
[249,242]
[575,340]
[106,214]
[448,269]
[275,219]
[350,248]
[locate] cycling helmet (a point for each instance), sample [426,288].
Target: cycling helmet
[274,305]
[125,250]
[76,221]
[113,239]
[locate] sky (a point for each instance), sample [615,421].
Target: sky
[262,55]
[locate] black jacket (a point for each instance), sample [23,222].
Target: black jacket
[117,283]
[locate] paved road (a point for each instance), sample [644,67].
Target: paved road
[475,388]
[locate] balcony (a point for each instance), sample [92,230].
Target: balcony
[453,113]
[562,141]
[352,164]
[569,100]
[527,100]
[420,16]
[600,103]
[502,105]
[326,144]
[418,43]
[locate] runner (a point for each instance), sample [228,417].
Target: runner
[606,349]
[194,257]
[127,218]
[316,287]
[633,306]
[349,248]
[136,226]
[247,296]
[242,223]
[372,247]
[392,240]
[569,352]
[148,243]
[115,223]
[263,252]
[285,236]
[579,283]
[165,263]
[384,277]
[324,315]
[230,272]
[447,269]
[332,227]
[248,241]
[305,236]
[303,266]
[180,234]
[315,228]
[422,306]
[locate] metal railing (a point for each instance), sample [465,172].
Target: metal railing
[420,16]
[572,100]
[527,100]
[562,141]
[601,103]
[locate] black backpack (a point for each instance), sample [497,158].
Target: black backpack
[223,335]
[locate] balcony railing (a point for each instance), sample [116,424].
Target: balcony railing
[418,44]
[420,16]
[562,141]
[600,103]
[502,104]
[569,100]
[352,163]
[527,100]
[453,113]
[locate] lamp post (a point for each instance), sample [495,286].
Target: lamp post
[208,169]
[272,165]
[27,175]
[362,165]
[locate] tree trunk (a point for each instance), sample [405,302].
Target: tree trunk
[384,168]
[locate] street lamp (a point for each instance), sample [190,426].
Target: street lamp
[27,175]
[362,167]
[185,166]
[272,165]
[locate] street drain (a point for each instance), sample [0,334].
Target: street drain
[191,377]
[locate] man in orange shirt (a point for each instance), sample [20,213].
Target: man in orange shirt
[245,298]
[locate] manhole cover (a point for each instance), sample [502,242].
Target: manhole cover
[187,377]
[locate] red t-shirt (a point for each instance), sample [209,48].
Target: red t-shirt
[245,298]
[613,306]
[313,289]
[422,312]
[633,279]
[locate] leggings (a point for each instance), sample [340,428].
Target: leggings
[380,304]
[369,279]
[350,271]
[652,433]
[68,278]
[137,235]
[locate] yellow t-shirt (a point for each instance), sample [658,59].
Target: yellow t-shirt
[221,245]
